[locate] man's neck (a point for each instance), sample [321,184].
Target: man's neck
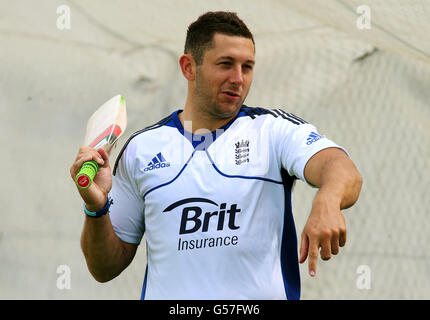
[192,120]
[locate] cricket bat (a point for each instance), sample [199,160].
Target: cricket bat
[104,128]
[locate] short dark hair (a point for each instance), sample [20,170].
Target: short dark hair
[200,33]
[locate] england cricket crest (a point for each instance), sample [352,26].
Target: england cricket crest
[242,152]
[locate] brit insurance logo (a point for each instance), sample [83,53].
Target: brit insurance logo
[241,153]
[313,136]
[195,219]
[157,162]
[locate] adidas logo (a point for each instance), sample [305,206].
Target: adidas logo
[313,137]
[157,162]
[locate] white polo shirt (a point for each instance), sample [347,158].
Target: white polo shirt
[215,208]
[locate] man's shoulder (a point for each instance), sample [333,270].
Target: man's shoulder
[253,113]
[154,129]
[148,138]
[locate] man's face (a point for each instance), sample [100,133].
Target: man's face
[225,75]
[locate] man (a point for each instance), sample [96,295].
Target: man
[211,186]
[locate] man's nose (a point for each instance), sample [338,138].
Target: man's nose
[236,75]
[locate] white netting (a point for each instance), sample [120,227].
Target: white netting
[366,89]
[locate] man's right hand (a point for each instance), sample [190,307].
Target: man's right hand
[96,195]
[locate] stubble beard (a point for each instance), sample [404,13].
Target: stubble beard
[208,102]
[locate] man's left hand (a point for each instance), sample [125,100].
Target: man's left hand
[325,229]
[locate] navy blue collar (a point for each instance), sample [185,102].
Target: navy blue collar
[201,141]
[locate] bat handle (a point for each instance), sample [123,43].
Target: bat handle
[86,175]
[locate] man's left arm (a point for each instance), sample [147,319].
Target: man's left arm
[339,183]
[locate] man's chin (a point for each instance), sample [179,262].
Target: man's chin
[227,110]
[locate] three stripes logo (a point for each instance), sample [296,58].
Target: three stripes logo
[313,136]
[157,162]
[288,116]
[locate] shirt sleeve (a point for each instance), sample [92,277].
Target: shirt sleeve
[128,208]
[297,143]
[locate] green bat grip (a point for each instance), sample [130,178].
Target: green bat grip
[86,175]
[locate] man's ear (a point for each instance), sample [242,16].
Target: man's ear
[188,67]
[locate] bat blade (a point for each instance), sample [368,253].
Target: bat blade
[107,124]
[104,128]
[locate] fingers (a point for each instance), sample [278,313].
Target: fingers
[338,240]
[104,155]
[96,194]
[334,244]
[325,249]
[87,154]
[313,256]
[323,243]
[342,237]
[309,248]
[304,245]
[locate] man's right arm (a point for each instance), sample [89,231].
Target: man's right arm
[106,255]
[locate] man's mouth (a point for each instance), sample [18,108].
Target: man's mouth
[231,94]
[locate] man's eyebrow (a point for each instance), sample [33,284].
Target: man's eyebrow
[232,59]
